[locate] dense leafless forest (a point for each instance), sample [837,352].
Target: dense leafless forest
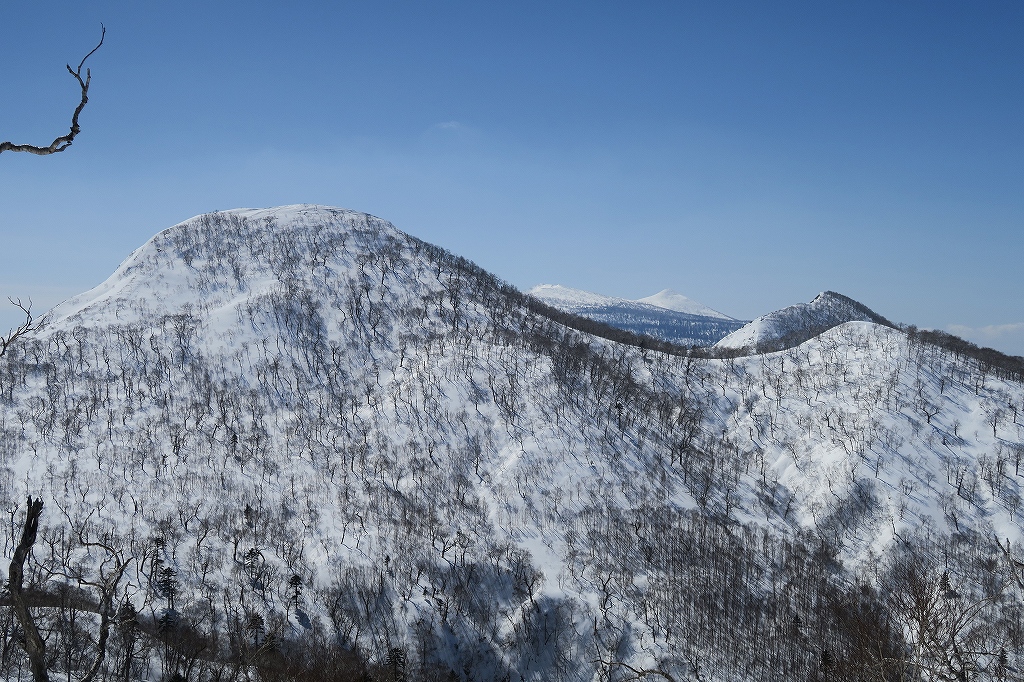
[299,444]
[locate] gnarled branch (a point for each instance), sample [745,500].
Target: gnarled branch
[22,329]
[64,141]
[106,585]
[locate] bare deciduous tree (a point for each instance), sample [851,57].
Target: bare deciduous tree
[64,141]
[111,569]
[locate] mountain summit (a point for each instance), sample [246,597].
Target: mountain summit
[795,324]
[304,435]
[670,300]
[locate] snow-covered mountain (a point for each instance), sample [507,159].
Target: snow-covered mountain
[666,315]
[301,427]
[671,300]
[795,324]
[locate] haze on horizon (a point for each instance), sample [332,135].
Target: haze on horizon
[747,156]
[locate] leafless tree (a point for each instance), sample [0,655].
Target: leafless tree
[64,141]
[111,570]
[949,631]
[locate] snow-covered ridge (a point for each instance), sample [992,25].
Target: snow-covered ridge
[797,323]
[175,268]
[570,299]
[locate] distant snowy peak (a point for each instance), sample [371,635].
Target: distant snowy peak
[666,315]
[566,298]
[570,300]
[795,324]
[671,300]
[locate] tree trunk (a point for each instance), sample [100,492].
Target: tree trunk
[34,645]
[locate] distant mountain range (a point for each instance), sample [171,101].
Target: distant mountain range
[666,315]
[670,316]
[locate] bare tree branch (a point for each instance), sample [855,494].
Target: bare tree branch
[107,584]
[22,329]
[640,673]
[64,141]
[107,588]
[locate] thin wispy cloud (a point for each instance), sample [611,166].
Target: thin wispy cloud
[449,132]
[1007,337]
[992,331]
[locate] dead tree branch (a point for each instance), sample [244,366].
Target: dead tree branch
[64,141]
[22,329]
[640,673]
[107,585]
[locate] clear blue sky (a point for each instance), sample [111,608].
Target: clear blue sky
[746,154]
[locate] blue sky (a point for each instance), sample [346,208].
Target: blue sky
[746,154]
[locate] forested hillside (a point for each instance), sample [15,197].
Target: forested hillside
[310,446]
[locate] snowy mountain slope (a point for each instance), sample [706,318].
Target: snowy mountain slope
[257,395]
[797,323]
[666,315]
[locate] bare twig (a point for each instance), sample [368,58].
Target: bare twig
[639,673]
[64,141]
